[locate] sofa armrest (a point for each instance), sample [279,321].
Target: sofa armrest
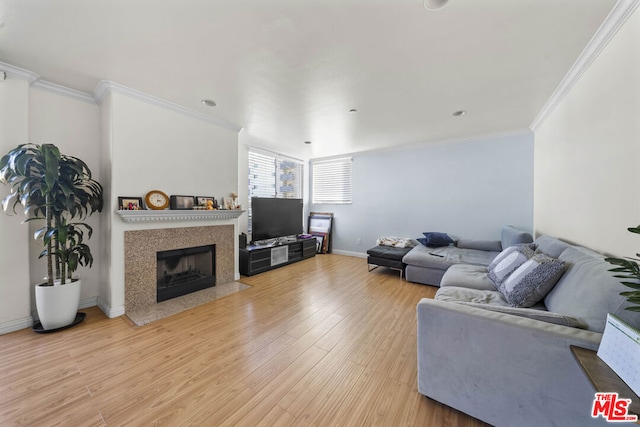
[503,369]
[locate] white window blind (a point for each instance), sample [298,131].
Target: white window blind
[332,181]
[262,175]
[273,175]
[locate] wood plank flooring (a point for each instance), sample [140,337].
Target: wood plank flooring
[320,342]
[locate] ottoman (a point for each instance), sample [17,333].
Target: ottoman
[387,256]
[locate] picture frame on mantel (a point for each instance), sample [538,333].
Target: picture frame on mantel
[201,200]
[130,203]
[181,202]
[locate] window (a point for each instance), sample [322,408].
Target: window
[273,175]
[332,181]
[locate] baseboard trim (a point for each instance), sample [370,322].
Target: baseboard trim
[16,325]
[88,302]
[110,312]
[27,322]
[349,253]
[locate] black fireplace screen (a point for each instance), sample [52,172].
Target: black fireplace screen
[183,271]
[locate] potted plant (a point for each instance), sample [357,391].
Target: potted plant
[629,269]
[59,190]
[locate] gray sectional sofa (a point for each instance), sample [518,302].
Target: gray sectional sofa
[427,265]
[512,366]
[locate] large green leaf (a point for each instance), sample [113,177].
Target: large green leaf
[51,162]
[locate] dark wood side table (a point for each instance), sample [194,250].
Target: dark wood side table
[603,378]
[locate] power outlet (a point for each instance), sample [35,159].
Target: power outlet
[359,241]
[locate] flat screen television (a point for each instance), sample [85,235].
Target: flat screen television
[272,218]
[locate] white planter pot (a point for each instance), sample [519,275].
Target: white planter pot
[57,305]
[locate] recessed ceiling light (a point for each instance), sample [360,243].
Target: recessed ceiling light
[459,113]
[307,142]
[435,4]
[209,102]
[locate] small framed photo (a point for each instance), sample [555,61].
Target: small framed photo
[130,203]
[319,243]
[202,200]
[205,202]
[228,203]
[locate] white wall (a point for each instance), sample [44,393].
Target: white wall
[73,126]
[104,268]
[15,285]
[469,189]
[152,147]
[587,153]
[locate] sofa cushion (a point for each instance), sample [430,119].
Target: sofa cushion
[444,257]
[508,261]
[588,291]
[388,252]
[479,296]
[481,245]
[532,280]
[510,236]
[550,245]
[423,256]
[435,239]
[468,276]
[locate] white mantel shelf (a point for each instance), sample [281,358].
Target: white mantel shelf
[177,215]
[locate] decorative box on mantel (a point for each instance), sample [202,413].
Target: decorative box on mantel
[177,215]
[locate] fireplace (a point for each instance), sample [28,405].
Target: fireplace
[140,258]
[183,271]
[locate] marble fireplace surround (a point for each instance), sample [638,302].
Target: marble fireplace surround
[140,247]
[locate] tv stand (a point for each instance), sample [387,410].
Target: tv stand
[256,259]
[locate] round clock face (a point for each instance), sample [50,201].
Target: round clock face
[157,200]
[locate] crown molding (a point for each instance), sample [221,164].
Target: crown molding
[63,90]
[18,72]
[105,87]
[612,23]
[35,81]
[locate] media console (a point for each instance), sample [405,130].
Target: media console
[256,259]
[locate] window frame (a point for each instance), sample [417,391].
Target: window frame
[277,172]
[332,181]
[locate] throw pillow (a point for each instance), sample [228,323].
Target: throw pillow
[508,261]
[532,281]
[435,239]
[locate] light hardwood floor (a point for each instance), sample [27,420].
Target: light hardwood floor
[320,342]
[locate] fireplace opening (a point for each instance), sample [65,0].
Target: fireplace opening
[183,271]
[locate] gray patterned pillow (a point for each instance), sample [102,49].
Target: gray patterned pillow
[532,281]
[508,261]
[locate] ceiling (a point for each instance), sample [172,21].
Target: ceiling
[289,71]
